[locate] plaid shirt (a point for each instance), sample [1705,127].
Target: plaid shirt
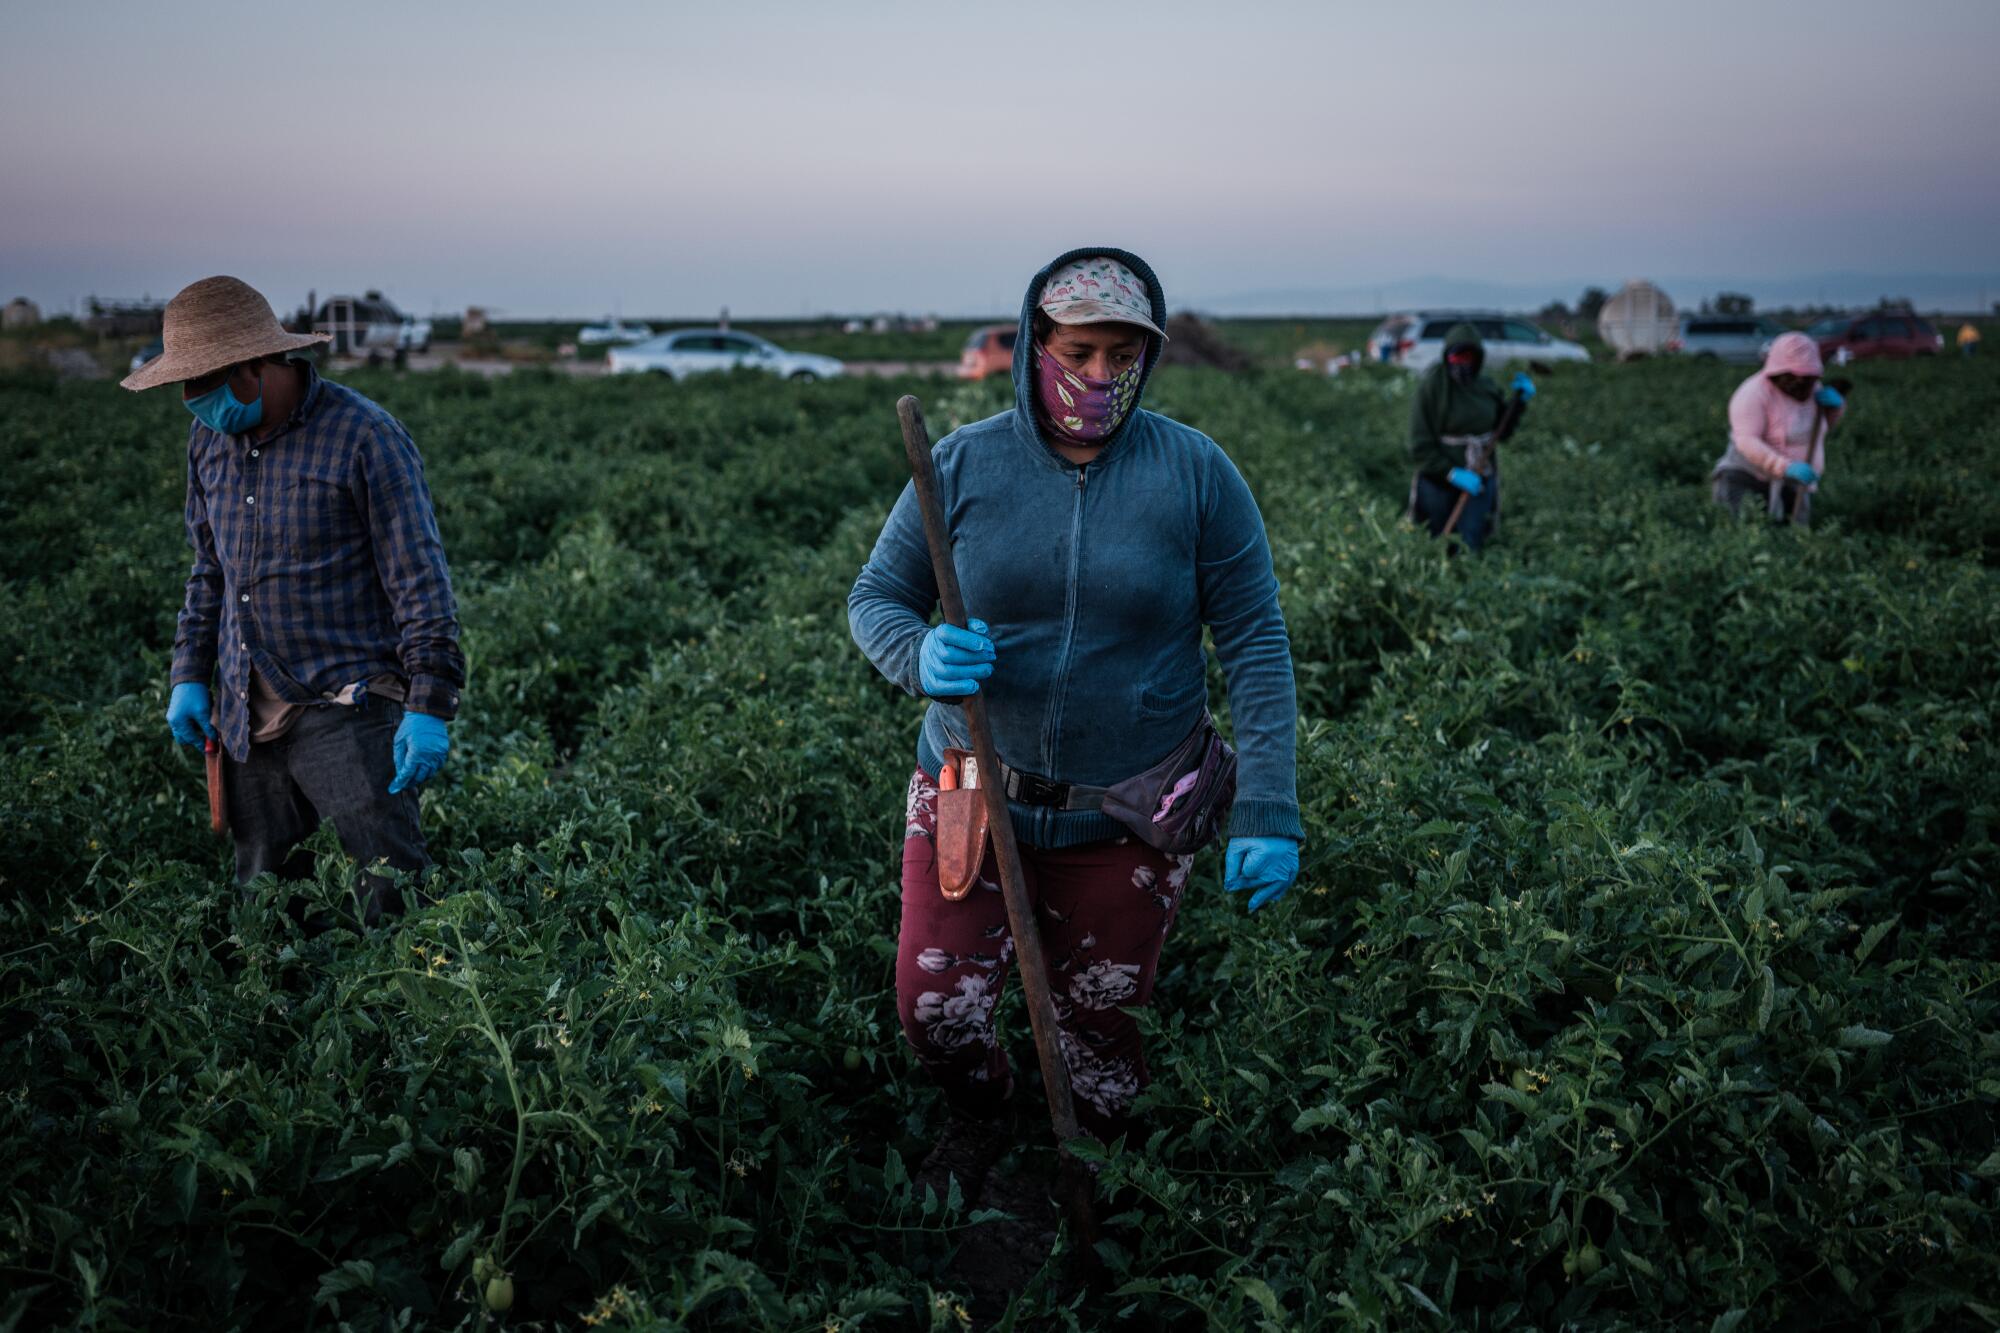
[317,562]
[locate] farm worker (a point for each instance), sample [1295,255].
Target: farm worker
[1456,417]
[1778,419]
[1968,338]
[319,605]
[1097,540]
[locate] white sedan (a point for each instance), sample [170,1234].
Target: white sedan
[1419,343]
[687,352]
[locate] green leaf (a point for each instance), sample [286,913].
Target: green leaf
[354,1275]
[1871,937]
[461,1246]
[1858,1035]
[1520,1101]
[597,1209]
[465,1169]
[1417,1295]
[1260,1291]
[1753,905]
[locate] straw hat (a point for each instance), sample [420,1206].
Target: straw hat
[214,323]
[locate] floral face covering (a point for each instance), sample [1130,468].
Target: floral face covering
[1081,410]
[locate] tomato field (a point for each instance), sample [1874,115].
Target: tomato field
[1642,971]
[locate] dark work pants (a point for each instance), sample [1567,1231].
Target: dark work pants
[335,763]
[1436,498]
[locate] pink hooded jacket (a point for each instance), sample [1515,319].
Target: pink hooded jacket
[1767,429]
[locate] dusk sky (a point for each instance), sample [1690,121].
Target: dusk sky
[784,158]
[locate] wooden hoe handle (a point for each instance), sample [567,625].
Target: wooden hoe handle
[1032,963]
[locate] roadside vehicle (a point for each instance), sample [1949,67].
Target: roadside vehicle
[370,325]
[613,330]
[1885,335]
[1507,338]
[152,349]
[989,351]
[1390,339]
[687,352]
[1741,339]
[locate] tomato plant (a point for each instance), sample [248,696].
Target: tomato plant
[1642,968]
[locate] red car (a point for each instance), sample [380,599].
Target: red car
[1884,334]
[989,351]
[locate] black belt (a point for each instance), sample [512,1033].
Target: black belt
[1034,789]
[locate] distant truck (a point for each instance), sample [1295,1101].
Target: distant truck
[370,325]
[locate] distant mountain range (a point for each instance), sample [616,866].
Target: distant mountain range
[1965,292]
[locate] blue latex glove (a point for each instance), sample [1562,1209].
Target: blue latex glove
[1802,473]
[1522,385]
[1267,866]
[1467,480]
[421,745]
[952,661]
[187,713]
[1829,398]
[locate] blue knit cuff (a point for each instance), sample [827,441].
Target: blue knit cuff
[1266,819]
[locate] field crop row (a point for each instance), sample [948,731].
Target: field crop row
[1642,968]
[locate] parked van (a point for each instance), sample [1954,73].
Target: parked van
[1742,339]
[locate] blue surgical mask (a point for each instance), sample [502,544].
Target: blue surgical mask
[219,410]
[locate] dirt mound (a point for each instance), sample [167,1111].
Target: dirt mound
[1193,341]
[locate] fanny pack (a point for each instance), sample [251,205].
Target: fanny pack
[1177,806]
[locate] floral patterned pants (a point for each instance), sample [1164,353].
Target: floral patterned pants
[1105,909]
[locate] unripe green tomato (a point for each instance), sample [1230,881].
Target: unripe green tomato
[1588,1260]
[1523,1081]
[500,1294]
[852,1060]
[482,1268]
[1569,1264]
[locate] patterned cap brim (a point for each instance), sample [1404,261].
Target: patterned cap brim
[1093,311]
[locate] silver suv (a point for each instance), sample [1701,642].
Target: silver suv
[1739,338]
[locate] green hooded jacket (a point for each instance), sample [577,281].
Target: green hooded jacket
[1442,408]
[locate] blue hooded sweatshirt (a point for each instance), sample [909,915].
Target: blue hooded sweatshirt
[1096,581]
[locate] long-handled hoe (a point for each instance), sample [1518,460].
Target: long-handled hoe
[1821,420]
[1033,966]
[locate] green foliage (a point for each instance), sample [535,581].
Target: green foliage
[1642,970]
